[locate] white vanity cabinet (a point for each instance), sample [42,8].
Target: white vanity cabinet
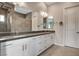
[30,46]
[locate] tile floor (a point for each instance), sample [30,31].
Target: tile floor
[61,51]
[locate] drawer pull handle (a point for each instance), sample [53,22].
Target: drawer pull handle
[25,46]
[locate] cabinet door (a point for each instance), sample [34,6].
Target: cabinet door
[33,46]
[50,39]
[41,43]
[47,41]
[38,42]
[29,46]
[12,48]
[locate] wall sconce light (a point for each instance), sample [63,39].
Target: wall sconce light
[44,14]
[61,23]
[19,3]
[50,17]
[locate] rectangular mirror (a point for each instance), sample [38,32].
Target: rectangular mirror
[48,23]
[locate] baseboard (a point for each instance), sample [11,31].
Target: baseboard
[72,47]
[58,44]
[45,50]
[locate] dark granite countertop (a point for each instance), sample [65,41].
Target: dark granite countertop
[8,36]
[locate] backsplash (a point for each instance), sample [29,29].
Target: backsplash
[21,22]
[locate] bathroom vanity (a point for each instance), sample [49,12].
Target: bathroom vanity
[29,44]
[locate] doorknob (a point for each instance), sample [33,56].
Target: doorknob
[77,32]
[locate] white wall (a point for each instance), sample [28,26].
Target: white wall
[58,12]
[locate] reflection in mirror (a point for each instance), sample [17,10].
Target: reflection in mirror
[2,18]
[21,19]
[44,22]
[48,22]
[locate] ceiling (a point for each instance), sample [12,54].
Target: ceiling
[31,5]
[49,3]
[46,3]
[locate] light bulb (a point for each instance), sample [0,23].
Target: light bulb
[51,17]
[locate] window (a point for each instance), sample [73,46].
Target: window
[2,18]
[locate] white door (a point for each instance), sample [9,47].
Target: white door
[72,15]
